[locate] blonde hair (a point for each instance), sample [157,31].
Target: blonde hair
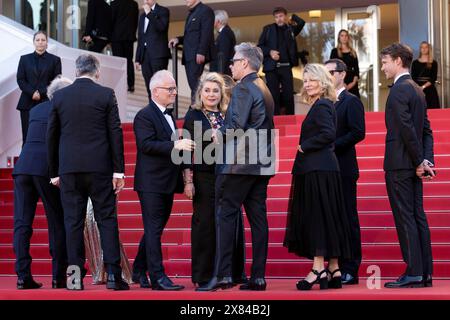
[349,44]
[320,73]
[58,83]
[229,85]
[430,53]
[218,79]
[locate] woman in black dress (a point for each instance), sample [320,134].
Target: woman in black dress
[34,74]
[207,113]
[346,53]
[316,227]
[424,72]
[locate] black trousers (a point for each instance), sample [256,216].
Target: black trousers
[405,191]
[193,73]
[27,191]
[140,262]
[349,190]
[24,119]
[98,45]
[156,208]
[203,232]
[124,49]
[75,190]
[150,67]
[281,85]
[233,191]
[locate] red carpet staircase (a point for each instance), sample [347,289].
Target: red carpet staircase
[380,245]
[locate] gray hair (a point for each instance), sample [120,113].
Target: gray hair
[221,16]
[58,83]
[87,64]
[252,53]
[159,77]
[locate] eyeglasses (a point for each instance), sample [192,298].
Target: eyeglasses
[232,61]
[170,89]
[333,71]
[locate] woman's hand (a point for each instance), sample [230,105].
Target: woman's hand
[36,96]
[189,190]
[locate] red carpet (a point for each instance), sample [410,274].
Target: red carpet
[380,244]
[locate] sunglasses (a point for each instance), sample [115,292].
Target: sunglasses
[170,89]
[232,61]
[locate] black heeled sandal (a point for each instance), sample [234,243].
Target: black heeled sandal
[335,282]
[323,282]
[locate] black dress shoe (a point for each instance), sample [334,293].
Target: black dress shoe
[427,280]
[115,282]
[59,284]
[29,283]
[142,279]
[164,283]
[240,280]
[216,283]
[131,89]
[348,279]
[257,284]
[406,281]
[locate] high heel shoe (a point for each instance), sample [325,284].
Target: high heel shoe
[322,281]
[335,282]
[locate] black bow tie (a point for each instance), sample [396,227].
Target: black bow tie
[168,111]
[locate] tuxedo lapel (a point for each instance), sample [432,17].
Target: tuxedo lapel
[162,119]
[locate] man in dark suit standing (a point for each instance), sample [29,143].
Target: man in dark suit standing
[152,53]
[197,41]
[85,152]
[125,14]
[157,178]
[408,159]
[98,25]
[31,182]
[244,169]
[224,44]
[279,46]
[350,130]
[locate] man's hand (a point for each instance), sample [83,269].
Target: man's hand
[55,181]
[189,190]
[138,66]
[36,96]
[173,42]
[87,39]
[184,144]
[423,169]
[275,55]
[200,59]
[118,184]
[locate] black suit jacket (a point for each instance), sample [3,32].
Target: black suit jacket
[198,35]
[156,35]
[125,15]
[251,111]
[269,41]
[98,19]
[223,51]
[409,139]
[155,171]
[30,78]
[33,157]
[84,132]
[351,129]
[317,140]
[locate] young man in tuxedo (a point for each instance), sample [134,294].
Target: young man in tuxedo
[85,154]
[157,178]
[197,41]
[351,129]
[152,53]
[98,25]
[224,44]
[407,161]
[279,46]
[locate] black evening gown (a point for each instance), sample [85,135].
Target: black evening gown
[421,73]
[352,68]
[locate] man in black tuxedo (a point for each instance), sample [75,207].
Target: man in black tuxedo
[98,25]
[350,130]
[279,46]
[244,169]
[85,153]
[31,182]
[34,73]
[408,159]
[197,41]
[157,178]
[125,15]
[152,53]
[224,44]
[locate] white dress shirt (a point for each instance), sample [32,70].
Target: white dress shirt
[147,21]
[167,116]
[400,75]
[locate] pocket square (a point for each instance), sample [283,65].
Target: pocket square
[193,19]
